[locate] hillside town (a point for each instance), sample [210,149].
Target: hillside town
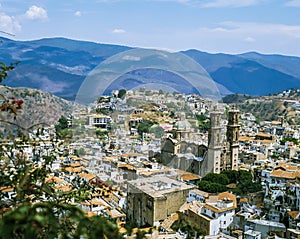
[174,166]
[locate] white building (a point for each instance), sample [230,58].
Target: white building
[99,121]
[220,214]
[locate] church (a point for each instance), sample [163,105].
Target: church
[187,151]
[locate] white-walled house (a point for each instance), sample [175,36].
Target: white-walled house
[222,212]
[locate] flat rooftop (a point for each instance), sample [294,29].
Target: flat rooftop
[267,223]
[158,186]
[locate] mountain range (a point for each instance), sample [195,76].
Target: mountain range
[60,65]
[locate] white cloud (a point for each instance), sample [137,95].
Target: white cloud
[235,37]
[77,14]
[9,24]
[249,39]
[217,3]
[118,31]
[293,3]
[229,3]
[35,12]
[262,28]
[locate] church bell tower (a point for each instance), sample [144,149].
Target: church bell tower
[214,142]
[232,136]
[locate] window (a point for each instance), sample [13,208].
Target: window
[149,203]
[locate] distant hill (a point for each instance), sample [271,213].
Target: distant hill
[55,65]
[60,65]
[38,108]
[272,107]
[251,73]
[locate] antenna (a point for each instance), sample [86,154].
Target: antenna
[7,33]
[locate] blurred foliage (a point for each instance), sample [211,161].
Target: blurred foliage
[31,204]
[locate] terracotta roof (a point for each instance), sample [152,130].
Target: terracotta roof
[131,155]
[190,176]
[128,166]
[184,207]
[74,165]
[91,214]
[74,157]
[244,200]
[6,189]
[175,217]
[225,195]
[218,210]
[74,170]
[153,172]
[262,134]
[197,191]
[114,213]
[54,179]
[283,174]
[293,214]
[63,188]
[287,167]
[99,202]
[245,138]
[288,132]
[231,185]
[88,176]
[266,141]
[114,197]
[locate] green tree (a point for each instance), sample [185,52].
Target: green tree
[211,187]
[122,93]
[289,139]
[5,69]
[158,131]
[187,228]
[245,176]
[144,126]
[216,178]
[62,124]
[62,129]
[203,122]
[232,175]
[79,152]
[101,134]
[215,183]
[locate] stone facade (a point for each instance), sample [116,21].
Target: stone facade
[153,199]
[220,153]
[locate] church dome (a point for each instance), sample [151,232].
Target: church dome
[182,125]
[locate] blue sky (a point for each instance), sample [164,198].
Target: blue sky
[228,26]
